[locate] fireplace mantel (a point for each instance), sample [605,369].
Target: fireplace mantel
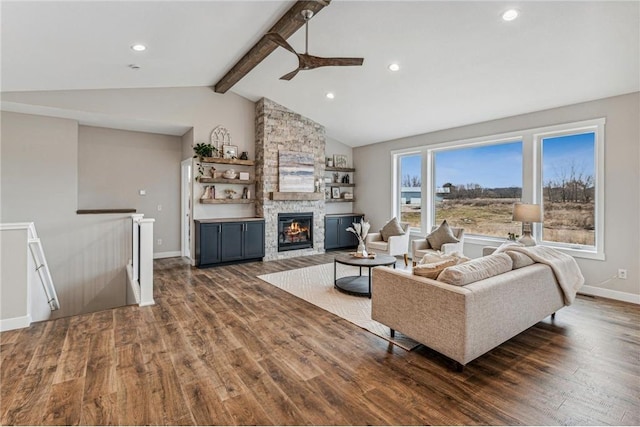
[290,195]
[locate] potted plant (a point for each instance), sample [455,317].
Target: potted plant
[204,150]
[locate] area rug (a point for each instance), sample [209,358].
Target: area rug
[315,285]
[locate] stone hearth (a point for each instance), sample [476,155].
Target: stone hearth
[278,128]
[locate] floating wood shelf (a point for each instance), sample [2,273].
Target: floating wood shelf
[334,169]
[221,161]
[225,181]
[226,201]
[296,196]
[340,200]
[339,184]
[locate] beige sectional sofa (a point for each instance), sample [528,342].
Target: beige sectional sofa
[464,322]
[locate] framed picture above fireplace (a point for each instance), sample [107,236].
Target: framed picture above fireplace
[296,172]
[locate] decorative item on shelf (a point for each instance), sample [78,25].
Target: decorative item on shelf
[244,155]
[230,151]
[335,192]
[336,177]
[244,175]
[347,196]
[345,178]
[340,160]
[220,136]
[229,174]
[329,162]
[209,192]
[327,193]
[245,193]
[230,193]
[212,172]
[527,214]
[360,229]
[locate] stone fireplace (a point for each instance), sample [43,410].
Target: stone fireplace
[279,129]
[295,231]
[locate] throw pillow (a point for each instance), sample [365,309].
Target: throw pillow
[391,228]
[432,270]
[519,259]
[439,256]
[476,269]
[441,235]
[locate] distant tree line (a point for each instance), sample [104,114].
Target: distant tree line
[570,184]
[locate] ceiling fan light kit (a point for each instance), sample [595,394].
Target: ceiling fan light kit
[306,61]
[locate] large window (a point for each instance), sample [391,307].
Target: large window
[410,170]
[476,187]
[568,178]
[474,184]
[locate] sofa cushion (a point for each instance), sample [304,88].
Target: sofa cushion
[476,269]
[519,259]
[439,256]
[391,228]
[440,236]
[432,270]
[377,245]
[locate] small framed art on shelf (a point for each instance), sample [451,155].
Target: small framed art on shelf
[230,151]
[340,161]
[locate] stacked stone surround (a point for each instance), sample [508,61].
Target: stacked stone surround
[278,128]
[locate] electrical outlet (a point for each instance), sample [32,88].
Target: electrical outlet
[159,208]
[159,242]
[622,273]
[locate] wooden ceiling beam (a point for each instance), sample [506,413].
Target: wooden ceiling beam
[290,22]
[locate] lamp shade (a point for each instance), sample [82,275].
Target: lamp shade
[527,213]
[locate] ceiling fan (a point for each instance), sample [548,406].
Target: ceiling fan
[306,61]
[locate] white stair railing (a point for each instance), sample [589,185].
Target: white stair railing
[140,268]
[37,252]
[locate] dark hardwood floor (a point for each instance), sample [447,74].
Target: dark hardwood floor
[222,347]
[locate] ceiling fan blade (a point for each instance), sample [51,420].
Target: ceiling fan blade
[341,61]
[290,75]
[280,41]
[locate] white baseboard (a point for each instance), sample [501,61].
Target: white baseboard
[611,294]
[15,323]
[171,254]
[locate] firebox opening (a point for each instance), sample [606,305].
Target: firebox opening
[295,231]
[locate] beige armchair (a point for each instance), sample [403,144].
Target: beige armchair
[394,246]
[421,247]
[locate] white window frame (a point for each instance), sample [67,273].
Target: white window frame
[532,185]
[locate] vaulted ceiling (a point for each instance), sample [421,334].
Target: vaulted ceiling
[460,63]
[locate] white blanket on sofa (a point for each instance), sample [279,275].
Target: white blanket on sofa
[564,267]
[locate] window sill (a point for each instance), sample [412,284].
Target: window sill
[576,253]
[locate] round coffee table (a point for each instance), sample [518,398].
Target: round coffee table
[358,285]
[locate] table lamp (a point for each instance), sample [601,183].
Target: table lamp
[527,214]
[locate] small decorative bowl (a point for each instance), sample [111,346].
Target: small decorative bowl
[229,174]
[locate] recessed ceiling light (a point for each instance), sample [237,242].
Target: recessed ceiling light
[510,15]
[138,47]
[394,67]
[330,95]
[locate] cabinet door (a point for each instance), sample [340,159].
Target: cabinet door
[331,236]
[209,244]
[231,241]
[347,238]
[254,239]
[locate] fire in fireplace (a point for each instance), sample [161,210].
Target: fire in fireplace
[295,231]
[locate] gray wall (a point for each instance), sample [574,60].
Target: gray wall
[86,254]
[622,179]
[113,165]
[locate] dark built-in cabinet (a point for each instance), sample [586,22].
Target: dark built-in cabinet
[229,241]
[336,235]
